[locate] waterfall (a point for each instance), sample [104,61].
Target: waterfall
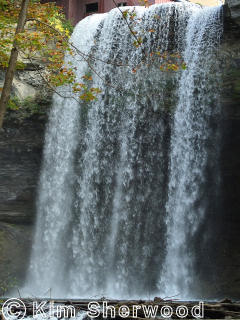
[121,193]
[197,106]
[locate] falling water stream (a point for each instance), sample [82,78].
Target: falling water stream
[122,187]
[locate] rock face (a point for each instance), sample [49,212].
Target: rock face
[21,144]
[234,7]
[229,219]
[20,158]
[28,83]
[219,258]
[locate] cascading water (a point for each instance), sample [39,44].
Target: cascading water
[118,198]
[192,132]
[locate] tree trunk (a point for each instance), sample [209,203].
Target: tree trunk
[12,63]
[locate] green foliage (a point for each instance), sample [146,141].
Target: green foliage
[45,36]
[7,284]
[59,21]
[67,25]
[25,108]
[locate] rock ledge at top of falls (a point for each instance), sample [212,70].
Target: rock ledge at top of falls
[234,8]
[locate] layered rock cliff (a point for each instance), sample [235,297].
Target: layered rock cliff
[219,259]
[21,144]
